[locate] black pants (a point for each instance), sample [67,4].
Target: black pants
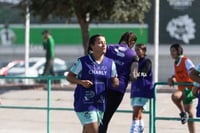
[114,99]
[48,68]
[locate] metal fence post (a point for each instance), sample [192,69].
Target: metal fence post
[48,105]
[154,109]
[150,116]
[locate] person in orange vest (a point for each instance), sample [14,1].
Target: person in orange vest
[183,97]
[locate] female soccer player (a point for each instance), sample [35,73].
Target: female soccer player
[124,58]
[141,89]
[182,97]
[92,74]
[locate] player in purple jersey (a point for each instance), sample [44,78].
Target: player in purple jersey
[92,73]
[124,58]
[141,89]
[195,75]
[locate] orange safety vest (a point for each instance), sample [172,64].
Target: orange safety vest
[181,74]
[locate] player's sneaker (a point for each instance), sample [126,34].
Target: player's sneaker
[184,117]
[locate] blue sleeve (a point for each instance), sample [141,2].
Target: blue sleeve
[77,67]
[114,70]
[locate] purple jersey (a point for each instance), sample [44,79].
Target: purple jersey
[198,106]
[87,99]
[143,86]
[123,57]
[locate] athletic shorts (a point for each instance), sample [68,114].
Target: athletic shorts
[188,96]
[139,101]
[88,117]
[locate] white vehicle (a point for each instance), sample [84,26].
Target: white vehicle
[36,67]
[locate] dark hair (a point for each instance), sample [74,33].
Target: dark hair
[92,42]
[178,48]
[142,46]
[127,36]
[45,31]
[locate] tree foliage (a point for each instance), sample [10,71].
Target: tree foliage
[87,11]
[130,10]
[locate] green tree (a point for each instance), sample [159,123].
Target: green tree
[87,11]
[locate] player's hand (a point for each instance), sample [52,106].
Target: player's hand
[86,83]
[170,82]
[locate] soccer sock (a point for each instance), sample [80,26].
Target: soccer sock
[135,126]
[141,124]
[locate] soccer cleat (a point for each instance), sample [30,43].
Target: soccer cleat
[184,117]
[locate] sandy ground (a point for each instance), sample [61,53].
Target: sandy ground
[63,121]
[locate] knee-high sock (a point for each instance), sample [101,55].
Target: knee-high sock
[141,124]
[135,126]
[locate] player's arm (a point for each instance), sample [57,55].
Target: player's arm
[134,69]
[171,80]
[72,76]
[114,78]
[194,75]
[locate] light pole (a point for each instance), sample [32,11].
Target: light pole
[27,38]
[156,39]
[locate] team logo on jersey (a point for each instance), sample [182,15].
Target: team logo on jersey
[88,95]
[98,70]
